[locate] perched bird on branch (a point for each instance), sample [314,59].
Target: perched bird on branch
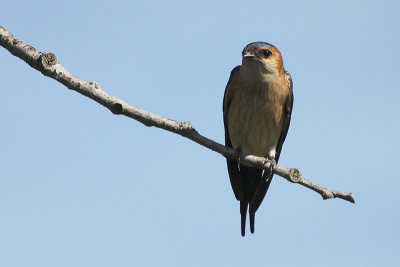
[257,108]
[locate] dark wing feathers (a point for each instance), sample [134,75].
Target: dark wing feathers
[288,113]
[233,168]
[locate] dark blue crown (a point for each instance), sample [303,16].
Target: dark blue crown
[259,45]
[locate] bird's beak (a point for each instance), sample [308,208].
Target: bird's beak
[248,54]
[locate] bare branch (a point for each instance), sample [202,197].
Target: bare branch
[47,64]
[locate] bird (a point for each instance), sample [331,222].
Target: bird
[257,109]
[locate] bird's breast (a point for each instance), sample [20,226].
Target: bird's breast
[255,118]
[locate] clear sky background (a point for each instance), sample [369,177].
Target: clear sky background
[80,186]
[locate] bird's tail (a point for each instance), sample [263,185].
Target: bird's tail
[243,211]
[258,197]
[255,185]
[252,217]
[249,179]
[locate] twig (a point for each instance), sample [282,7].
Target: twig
[47,64]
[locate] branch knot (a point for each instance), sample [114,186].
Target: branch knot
[186,126]
[295,175]
[48,59]
[116,108]
[94,84]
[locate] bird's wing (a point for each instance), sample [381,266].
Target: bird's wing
[287,115]
[233,168]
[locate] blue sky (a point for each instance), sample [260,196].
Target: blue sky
[82,187]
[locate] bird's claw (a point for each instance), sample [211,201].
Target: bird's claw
[272,162]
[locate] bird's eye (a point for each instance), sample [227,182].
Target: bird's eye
[267,53]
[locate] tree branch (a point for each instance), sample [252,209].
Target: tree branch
[48,65]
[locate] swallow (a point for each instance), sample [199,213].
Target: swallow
[257,108]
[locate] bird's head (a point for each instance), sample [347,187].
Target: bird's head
[262,59]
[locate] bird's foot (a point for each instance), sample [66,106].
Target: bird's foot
[272,162]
